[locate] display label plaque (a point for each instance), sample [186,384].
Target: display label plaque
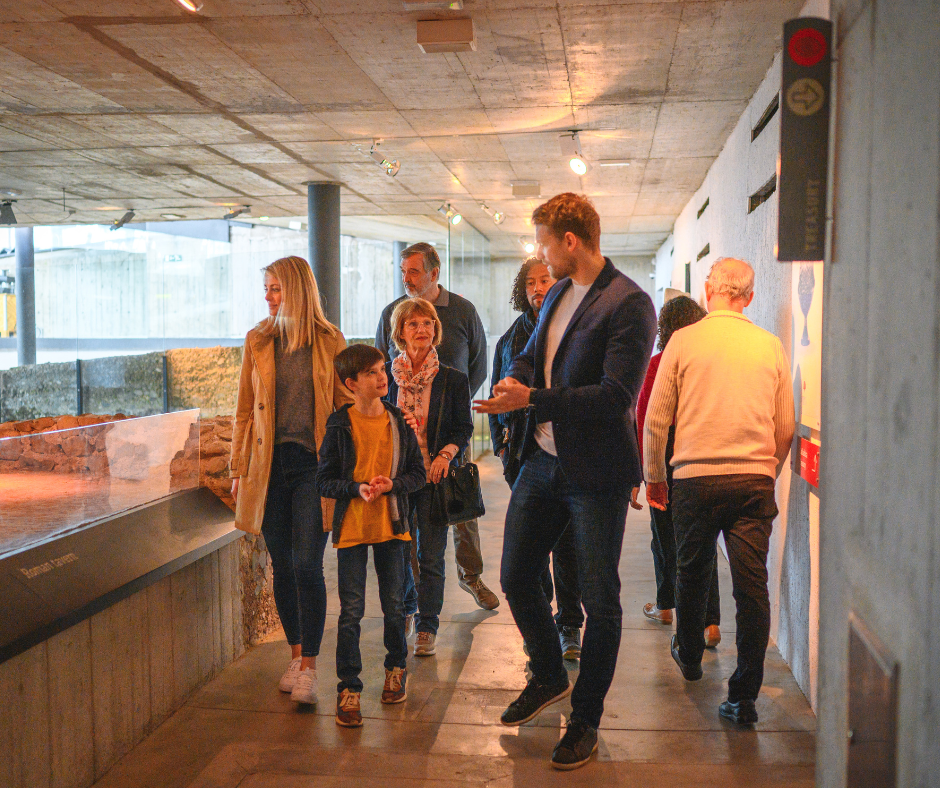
[804,139]
[809,462]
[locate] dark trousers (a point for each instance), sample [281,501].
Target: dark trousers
[663,546]
[429,542]
[293,533]
[561,581]
[542,505]
[351,565]
[742,507]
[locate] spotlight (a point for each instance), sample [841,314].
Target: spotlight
[191,5]
[497,216]
[529,247]
[117,224]
[571,149]
[450,214]
[6,212]
[235,212]
[391,167]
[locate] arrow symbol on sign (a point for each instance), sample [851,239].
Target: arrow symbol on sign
[807,95]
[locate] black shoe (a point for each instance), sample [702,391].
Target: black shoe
[570,642]
[742,713]
[532,700]
[689,672]
[576,747]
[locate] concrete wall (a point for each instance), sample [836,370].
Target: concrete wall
[75,704]
[726,229]
[880,548]
[205,378]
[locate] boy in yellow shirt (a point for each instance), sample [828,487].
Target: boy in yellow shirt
[369,462]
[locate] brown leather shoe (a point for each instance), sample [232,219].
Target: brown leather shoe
[712,636]
[653,613]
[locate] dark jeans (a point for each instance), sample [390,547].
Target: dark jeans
[543,503]
[427,598]
[351,565]
[293,533]
[742,507]
[663,546]
[564,569]
[561,582]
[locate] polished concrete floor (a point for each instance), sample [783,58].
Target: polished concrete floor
[658,730]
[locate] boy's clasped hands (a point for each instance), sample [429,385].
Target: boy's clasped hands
[378,486]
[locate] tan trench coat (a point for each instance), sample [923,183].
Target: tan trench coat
[253,435]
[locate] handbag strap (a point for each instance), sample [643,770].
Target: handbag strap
[440,409]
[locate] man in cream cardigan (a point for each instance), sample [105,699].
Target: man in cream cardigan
[726,383]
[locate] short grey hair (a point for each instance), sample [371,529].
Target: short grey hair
[729,280]
[429,257]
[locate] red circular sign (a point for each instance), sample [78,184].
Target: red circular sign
[807,47]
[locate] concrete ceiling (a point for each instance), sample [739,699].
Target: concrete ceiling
[107,106]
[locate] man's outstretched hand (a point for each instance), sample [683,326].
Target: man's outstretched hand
[509,394]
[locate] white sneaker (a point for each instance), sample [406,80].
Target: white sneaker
[305,688]
[409,625]
[424,644]
[289,679]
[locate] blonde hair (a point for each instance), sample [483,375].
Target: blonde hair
[300,313]
[407,308]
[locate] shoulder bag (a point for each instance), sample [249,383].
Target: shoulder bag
[457,497]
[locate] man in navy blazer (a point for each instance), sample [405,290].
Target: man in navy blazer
[581,372]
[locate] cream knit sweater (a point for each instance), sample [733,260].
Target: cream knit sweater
[727,384]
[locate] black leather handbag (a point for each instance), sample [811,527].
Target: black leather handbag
[457,497]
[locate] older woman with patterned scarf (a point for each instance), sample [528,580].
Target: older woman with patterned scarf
[435,401]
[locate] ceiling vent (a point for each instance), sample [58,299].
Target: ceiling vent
[446,35]
[525,189]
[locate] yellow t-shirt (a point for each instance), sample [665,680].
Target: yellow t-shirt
[369,523]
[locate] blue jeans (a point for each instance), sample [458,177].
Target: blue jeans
[293,533]
[351,564]
[543,502]
[427,599]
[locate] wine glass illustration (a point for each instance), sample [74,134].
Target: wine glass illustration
[805,288]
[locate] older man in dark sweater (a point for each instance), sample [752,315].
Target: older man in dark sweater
[464,349]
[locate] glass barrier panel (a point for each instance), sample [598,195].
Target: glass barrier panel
[53,483]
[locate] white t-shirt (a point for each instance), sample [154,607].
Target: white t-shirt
[564,311]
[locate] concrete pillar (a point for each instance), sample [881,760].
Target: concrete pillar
[399,247]
[25,289]
[323,240]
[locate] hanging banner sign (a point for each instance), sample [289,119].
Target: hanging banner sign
[804,139]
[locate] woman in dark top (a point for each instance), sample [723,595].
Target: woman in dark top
[288,388]
[435,401]
[678,313]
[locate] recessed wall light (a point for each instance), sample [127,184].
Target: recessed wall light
[171,215]
[263,218]
[613,163]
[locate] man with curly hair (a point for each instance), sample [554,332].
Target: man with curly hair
[507,430]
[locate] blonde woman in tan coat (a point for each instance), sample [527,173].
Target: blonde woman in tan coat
[288,388]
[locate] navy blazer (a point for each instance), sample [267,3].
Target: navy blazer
[597,374]
[456,422]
